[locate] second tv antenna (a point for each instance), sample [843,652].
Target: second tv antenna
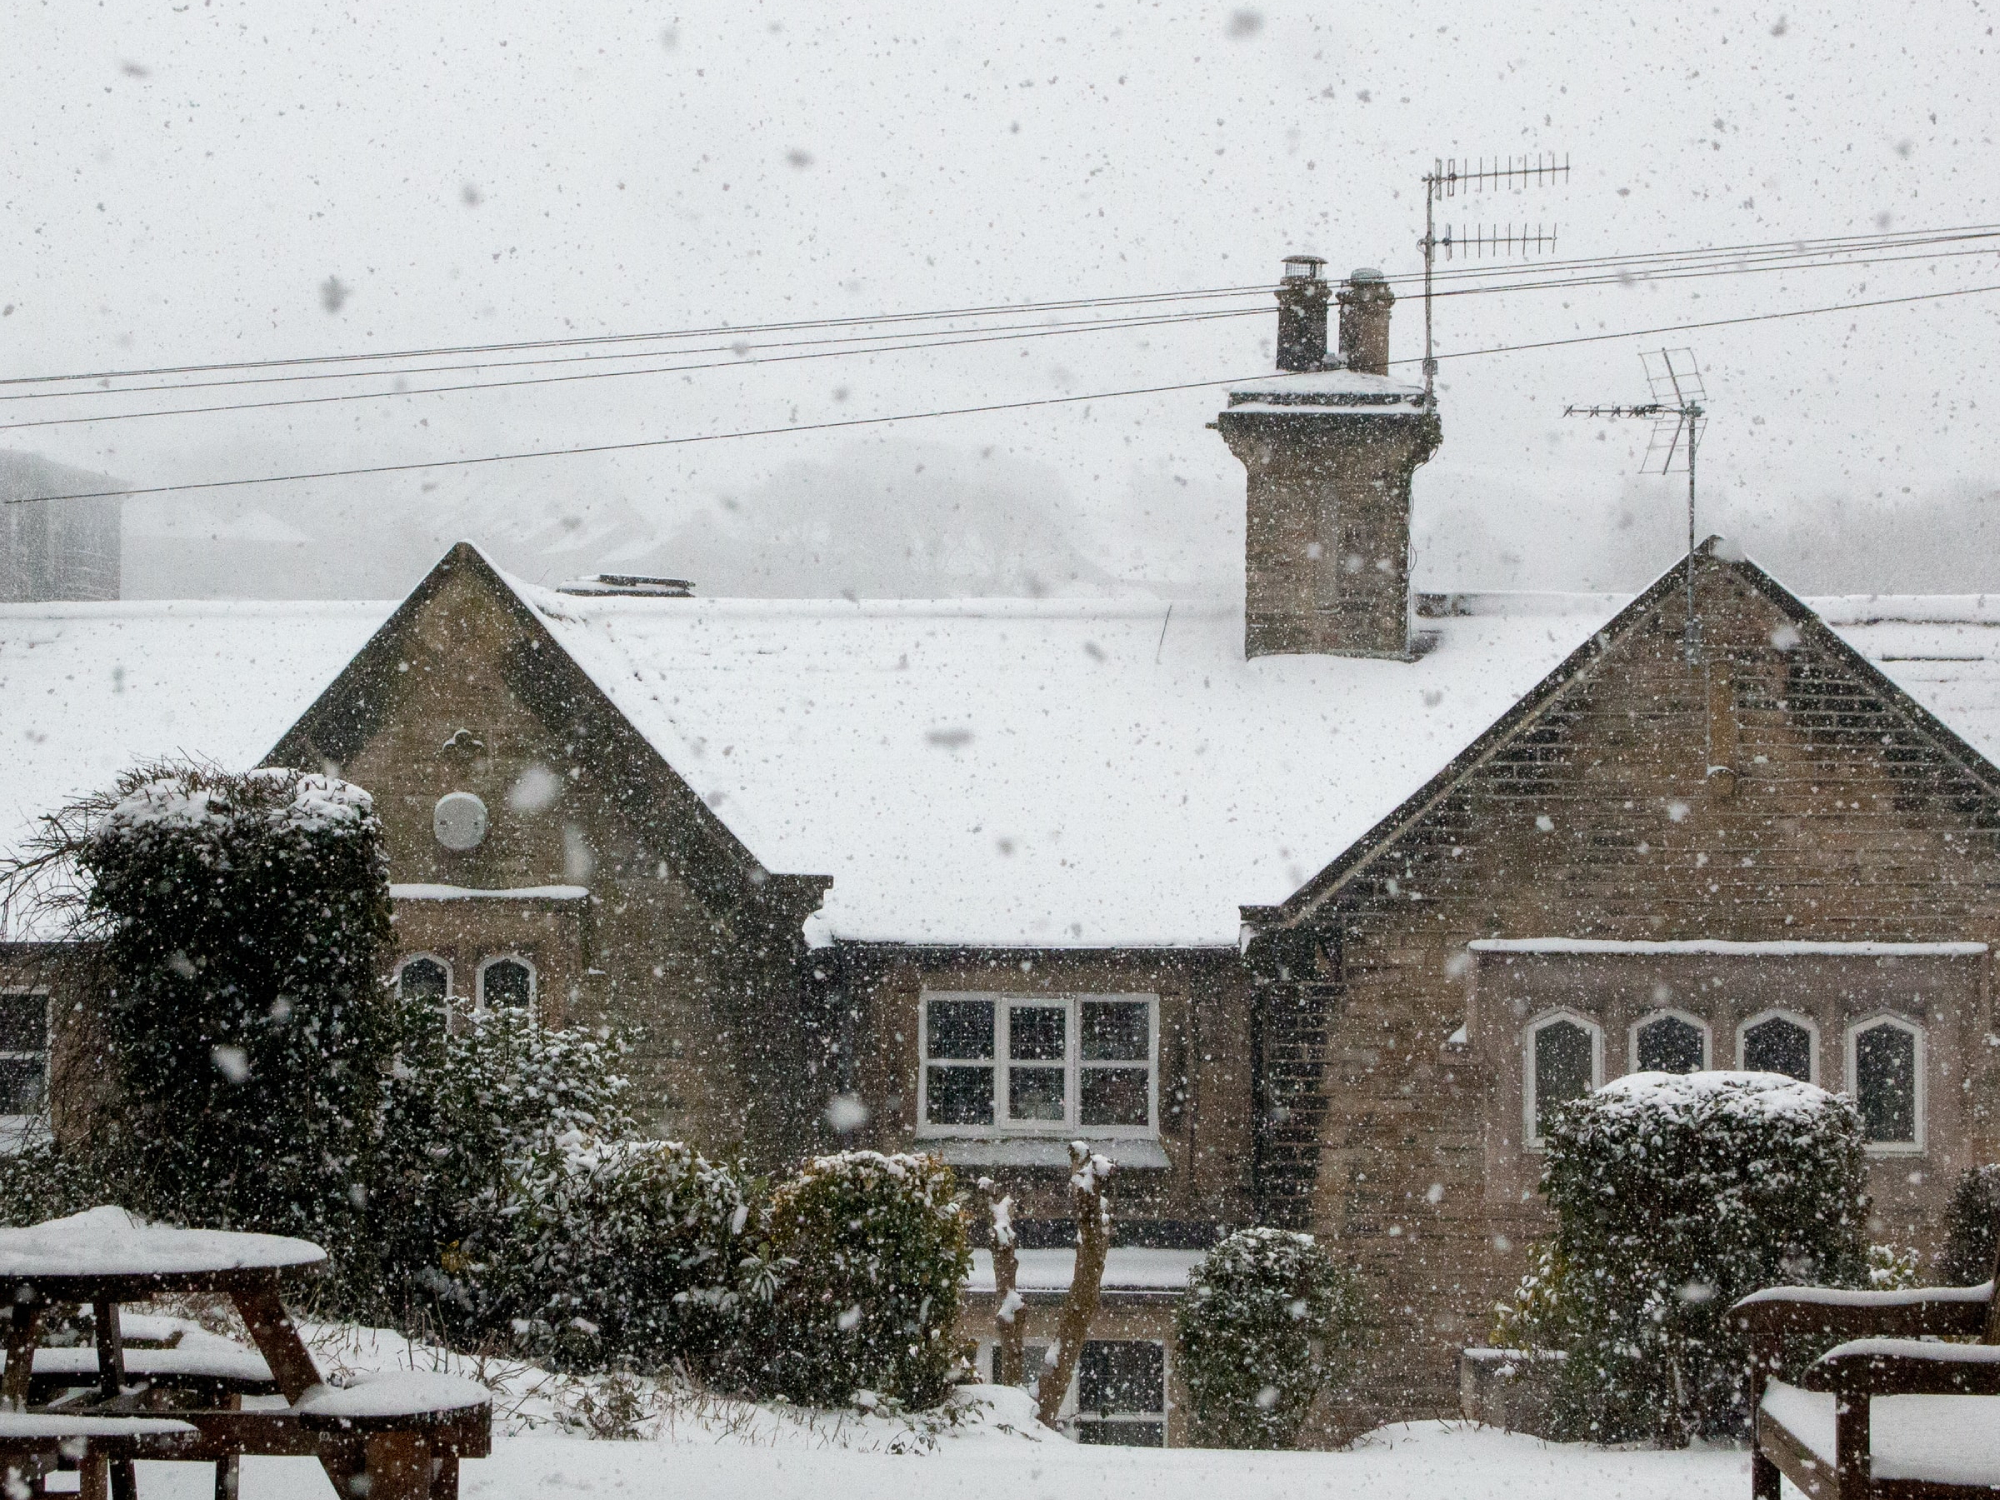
[1679,413]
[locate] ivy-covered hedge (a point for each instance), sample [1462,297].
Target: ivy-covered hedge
[244,917]
[1270,1322]
[1674,1196]
[879,1257]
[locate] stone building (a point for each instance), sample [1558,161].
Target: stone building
[57,548]
[1304,911]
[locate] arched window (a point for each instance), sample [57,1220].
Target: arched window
[506,982]
[1562,1059]
[1885,1073]
[424,978]
[1670,1042]
[1776,1042]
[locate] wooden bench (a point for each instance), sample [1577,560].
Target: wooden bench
[209,1373]
[34,1443]
[1887,1414]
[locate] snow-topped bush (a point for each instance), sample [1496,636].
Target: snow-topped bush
[637,1255]
[1674,1196]
[468,1110]
[1269,1322]
[871,1304]
[244,916]
[1970,1223]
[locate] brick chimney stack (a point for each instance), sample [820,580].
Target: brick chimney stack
[1328,454]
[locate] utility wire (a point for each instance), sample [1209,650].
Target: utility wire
[961,411]
[1827,245]
[877,343]
[721,364]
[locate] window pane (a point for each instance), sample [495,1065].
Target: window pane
[424,979]
[1038,1033]
[24,1023]
[1121,1375]
[960,1028]
[1885,1083]
[959,1096]
[1123,1434]
[1562,1069]
[1670,1045]
[1116,1030]
[1113,1096]
[1778,1046]
[21,1080]
[1035,1094]
[507,983]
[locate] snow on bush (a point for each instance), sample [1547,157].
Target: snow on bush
[243,916]
[1674,1196]
[468,1110]
[869,1306]
[1269,1322]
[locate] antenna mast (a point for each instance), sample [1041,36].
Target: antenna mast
[1679,412]
[1448,178]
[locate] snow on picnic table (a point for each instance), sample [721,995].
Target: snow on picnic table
[110,1241]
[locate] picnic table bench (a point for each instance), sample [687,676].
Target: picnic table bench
[1891,1413]
[391,1436]
[33,1443]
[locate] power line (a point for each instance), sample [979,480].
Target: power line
[1822,246]
[1095,325]
[877,343]
[962,411]
[1678,265]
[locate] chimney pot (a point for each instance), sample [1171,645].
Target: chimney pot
[1302,301]
[1364,321]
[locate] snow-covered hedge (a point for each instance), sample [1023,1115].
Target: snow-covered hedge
[871,1302]
[244,917]
[1269,1322]
[1675,1195]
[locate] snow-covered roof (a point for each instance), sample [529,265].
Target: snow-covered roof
[1004,772]
[1333,390]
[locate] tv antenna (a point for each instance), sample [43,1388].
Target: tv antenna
[1448,178]
[1679,413]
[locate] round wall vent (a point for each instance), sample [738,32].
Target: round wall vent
[459,820]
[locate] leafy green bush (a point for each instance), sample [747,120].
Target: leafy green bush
[243,918]
[467,1111]
[880,1259]
[1675,1195]
[638,1255]
[1970,1224]
[1269,1322]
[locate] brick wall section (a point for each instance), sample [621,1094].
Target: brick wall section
[1845,820]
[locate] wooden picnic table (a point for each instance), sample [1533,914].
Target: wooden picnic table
[402,1433]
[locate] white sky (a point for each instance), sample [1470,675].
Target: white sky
[180,180]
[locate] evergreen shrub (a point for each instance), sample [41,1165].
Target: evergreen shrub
[244,918]
[1970,1224]
[871,1300]
[1674,1196]
[1270,1322]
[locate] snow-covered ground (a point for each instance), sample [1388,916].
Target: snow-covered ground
[687,1446]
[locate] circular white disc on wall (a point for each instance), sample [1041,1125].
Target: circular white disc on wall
[459,820]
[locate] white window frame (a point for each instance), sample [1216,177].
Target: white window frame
[534,978]
[1530,1139]
[442,962]
[14,1129]
[1068,1415]
[1003,1002]
[1921,1061]
[1669,1013]
[1791,1017]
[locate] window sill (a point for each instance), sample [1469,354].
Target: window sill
[1133,1155]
